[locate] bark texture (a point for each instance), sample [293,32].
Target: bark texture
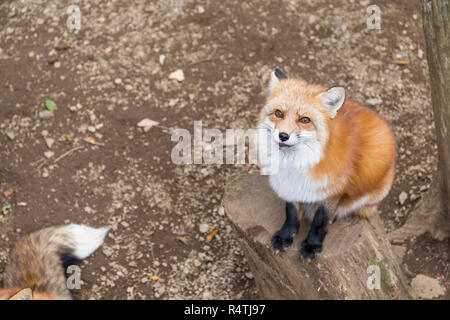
[436,27]
[432,213]
[339,272]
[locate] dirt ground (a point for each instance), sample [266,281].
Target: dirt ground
[115,72]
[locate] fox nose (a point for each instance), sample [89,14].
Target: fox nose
[283,136]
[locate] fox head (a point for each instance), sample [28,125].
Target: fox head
[297,116]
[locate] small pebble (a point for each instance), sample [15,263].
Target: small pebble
[249,275]
[177,75]
[10,135]
[45,173]
[45,115]
[49,142]
[402,197]
[162,58]
[204,228]
[373,101]
[49,154]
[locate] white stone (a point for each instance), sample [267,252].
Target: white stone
[162,58]
[177,75]
[89,210]
[49,154]
[204,228]
[10,135]
[45,115]
[402,197]
[173,102]
[423,287]
[373,101]
[49,142]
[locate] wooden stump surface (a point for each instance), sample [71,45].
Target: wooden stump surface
[339,272]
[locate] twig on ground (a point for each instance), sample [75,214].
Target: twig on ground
[38,161]
[67,153]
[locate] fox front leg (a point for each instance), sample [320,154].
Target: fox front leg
[284,237]
[314,241]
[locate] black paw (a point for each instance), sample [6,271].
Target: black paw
[282,240]
[309,251]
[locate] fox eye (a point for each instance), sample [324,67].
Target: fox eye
[279,114]
[304,120]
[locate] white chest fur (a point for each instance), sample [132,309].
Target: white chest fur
[295,185]
[290,177]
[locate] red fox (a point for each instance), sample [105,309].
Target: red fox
[334,156]
[35,270]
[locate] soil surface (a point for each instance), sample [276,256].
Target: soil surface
[114,72]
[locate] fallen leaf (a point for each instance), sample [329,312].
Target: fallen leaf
[62,46]
[92,140]
[183,240]
[68,138]
[51,105]
[211,235]
[5,209]
[400,62]
[8,192]
[356,27]
[154,278]
[147,123]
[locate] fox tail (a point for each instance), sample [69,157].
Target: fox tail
[37,261]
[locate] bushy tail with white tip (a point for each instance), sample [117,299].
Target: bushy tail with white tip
[85,239]
[37,259]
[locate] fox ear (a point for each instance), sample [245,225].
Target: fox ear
[332,99]
[275,77]
[24,294]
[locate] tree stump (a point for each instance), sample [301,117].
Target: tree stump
[339,272]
